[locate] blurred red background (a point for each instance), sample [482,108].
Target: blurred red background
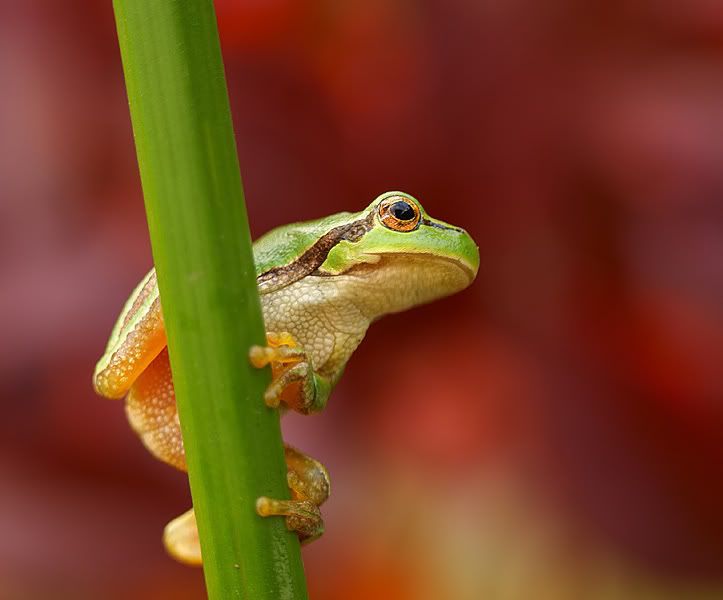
[567,440]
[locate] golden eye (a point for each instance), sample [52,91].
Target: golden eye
[399,214]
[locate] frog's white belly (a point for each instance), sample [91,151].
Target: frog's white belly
[315,310]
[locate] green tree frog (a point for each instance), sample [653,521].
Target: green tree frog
[321,284]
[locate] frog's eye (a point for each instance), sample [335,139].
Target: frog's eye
[399,214]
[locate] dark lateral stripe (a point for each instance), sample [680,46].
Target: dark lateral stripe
[315,256]
[440,225]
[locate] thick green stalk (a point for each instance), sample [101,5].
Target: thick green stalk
[202,251]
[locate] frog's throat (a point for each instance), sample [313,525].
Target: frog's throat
[399,281]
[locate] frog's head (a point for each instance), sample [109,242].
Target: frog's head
[404,253]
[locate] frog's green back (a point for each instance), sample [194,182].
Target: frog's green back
[284,244]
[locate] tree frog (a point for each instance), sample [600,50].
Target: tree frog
[321,284]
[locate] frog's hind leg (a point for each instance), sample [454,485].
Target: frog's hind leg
[309,484]
[151,410]
[180,537]
[137,339]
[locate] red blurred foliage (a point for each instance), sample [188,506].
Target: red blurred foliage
[580,143]
[258,24]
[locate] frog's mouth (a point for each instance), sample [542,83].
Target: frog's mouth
[418,260]
[469,269]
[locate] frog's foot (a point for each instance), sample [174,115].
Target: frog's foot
[302,516]
[309,482]
[310,486]
[180,537]
[294,381]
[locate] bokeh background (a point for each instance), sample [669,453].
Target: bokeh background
[566,438]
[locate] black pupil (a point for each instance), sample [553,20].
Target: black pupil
[402,211]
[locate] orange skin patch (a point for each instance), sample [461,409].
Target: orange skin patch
[133,356]
[152,412]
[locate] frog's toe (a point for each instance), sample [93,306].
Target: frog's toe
[291,387]
[292,377]
[180,537]
[261,356]
[281,350]
[302,516]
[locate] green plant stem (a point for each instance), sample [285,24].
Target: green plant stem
[202,251]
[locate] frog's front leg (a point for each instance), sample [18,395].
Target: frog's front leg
[294,380]
[309,483]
